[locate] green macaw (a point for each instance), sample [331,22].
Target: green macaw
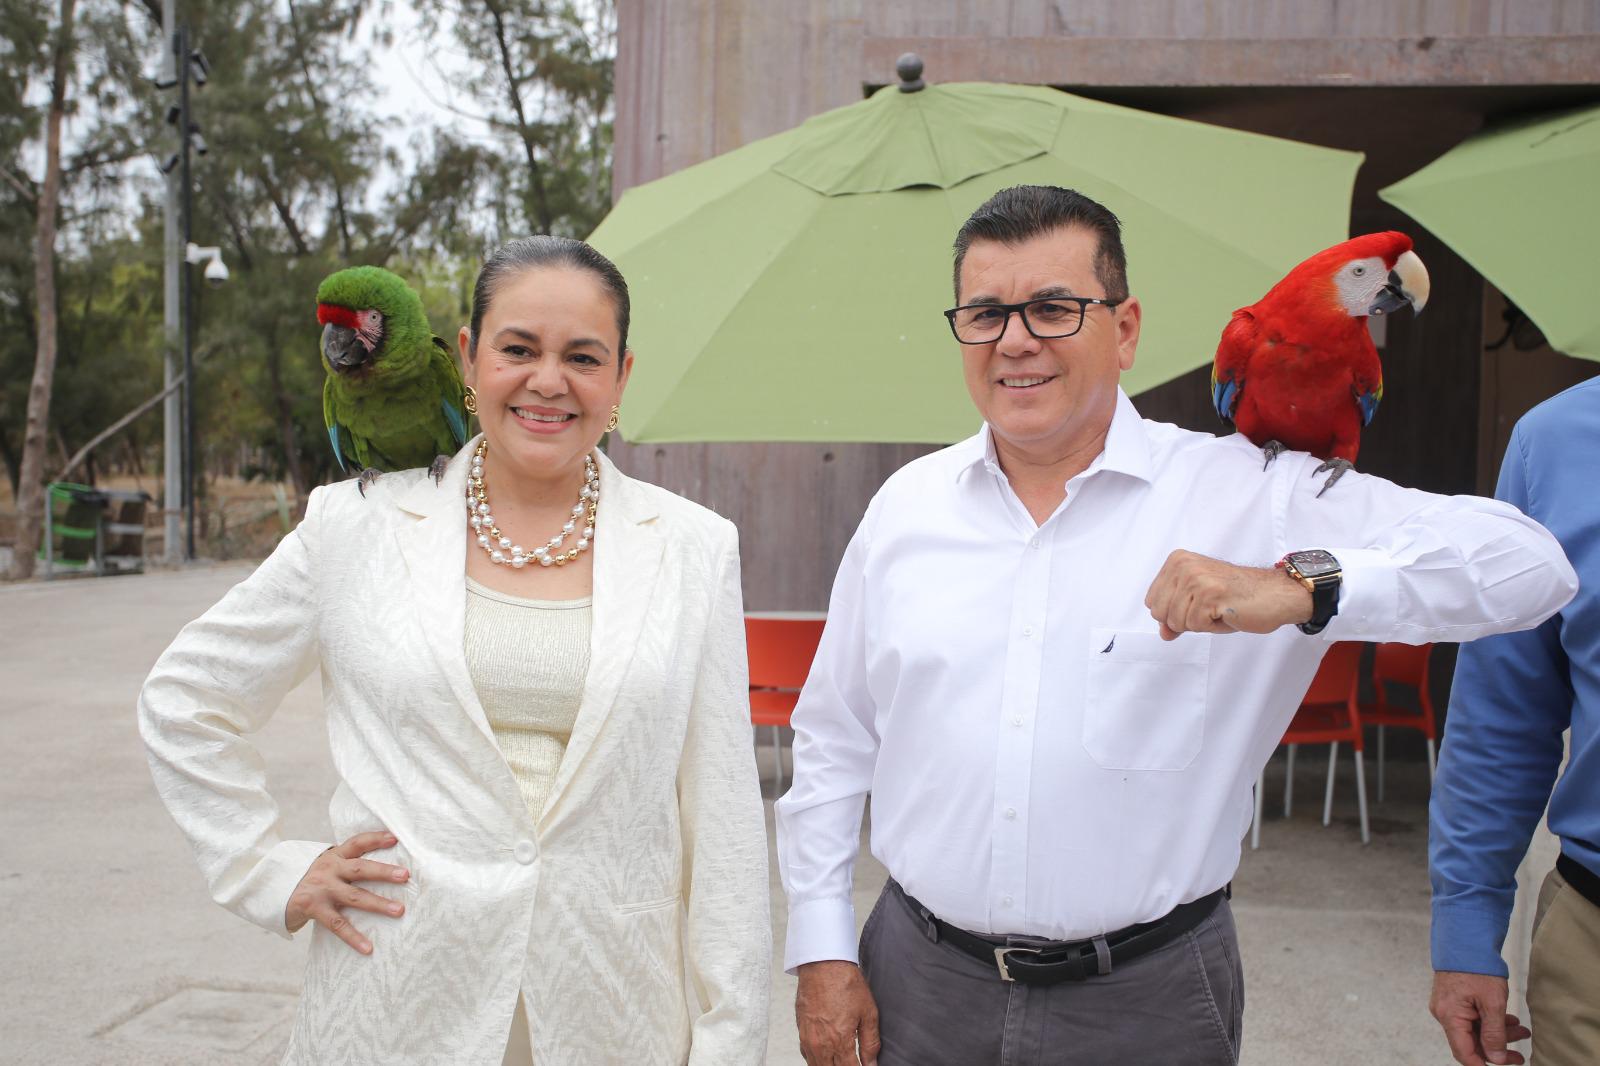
[393,398]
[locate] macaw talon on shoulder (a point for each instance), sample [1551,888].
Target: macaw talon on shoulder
[1272,449]
[437,467]
[1338,466]
[367,477]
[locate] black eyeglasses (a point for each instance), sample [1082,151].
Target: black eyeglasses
[1048,318]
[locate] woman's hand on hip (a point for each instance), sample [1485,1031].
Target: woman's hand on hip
[329,887]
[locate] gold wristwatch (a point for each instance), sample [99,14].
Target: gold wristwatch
[1320,573]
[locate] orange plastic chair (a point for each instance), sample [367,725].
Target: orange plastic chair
[1402,664]
[780,650]
[1328,714]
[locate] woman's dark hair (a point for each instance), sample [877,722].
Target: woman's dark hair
[1022,212]
[543,250]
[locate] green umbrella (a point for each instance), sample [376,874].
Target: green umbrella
[1518,203]
[792,289]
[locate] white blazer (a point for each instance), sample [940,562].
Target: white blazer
[634,920]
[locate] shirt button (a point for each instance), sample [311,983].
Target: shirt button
[1011,813]
[1016,719]
[1007,901]
[1027,631]
[1034,543]
[525,852]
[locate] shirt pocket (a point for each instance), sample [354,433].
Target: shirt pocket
[1145,699]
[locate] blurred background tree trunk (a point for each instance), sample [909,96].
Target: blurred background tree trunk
[36,437]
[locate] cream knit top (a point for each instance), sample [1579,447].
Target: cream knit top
[528,660]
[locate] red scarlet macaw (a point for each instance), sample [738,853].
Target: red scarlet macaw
[1297,369]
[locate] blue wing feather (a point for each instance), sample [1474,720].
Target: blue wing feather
[338,455]
[1369,404]
[458,422]
[1223,394]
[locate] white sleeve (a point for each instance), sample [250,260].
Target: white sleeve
[1419,567]
[835,750]
[728,941]
[223,677]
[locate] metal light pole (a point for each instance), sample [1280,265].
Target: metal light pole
[186,65]
[172,318]
[181,65]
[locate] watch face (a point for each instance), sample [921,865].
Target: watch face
[1314,563]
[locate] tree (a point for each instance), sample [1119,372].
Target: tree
[26,53]
[30,475]
[541,75]
[89,63]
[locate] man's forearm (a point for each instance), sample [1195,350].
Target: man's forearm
[1501,755]
[1451,575]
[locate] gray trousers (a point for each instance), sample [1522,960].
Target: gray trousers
[939,1006]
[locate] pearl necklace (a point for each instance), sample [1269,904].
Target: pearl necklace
[499,547]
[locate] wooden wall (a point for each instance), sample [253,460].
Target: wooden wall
[1520,371]
[1401,81]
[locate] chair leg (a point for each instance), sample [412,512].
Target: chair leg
[1433,763]
[1327,797]
[1380,764]
[777,763]
[1255,823]
[1288,782]
[1361,797]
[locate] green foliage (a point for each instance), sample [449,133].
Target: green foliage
[95,268]
[540,74]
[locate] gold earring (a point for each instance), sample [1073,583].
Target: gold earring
[470,400]
[616,417]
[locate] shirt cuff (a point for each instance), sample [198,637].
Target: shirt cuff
[1468,940]
[820,929]
[265,895]
[1369,595]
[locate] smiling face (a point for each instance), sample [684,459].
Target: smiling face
[546,370]
[1046,398]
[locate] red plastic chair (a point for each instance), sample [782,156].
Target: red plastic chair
[1328,714]
[780,650]
[1402,664]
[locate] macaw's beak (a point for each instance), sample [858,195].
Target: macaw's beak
[1408,284]
[342,348]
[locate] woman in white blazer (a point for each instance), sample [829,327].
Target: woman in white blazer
[548,835]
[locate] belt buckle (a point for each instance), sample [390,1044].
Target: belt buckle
[1000,954]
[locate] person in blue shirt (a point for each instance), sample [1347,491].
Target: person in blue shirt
[1514,695]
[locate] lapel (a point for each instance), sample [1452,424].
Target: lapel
[435,551]
[627,561]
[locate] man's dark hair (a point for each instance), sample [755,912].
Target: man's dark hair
[1022,212]
[540,250]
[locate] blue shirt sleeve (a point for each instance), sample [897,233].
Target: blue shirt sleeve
[1509,705]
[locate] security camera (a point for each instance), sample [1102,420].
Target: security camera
[216,270]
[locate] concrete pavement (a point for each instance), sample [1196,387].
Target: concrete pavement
[112,952]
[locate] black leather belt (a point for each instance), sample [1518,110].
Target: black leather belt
[1580,878]
[1032,961]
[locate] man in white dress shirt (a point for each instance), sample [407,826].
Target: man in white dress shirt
[1057,655]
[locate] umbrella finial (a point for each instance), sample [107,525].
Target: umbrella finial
[909,67]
